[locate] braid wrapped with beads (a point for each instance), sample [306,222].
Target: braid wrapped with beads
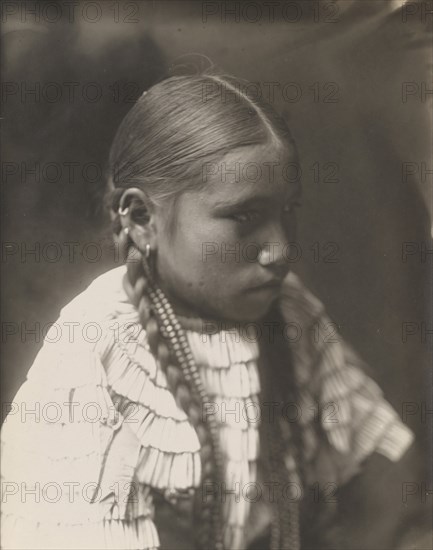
[168,344]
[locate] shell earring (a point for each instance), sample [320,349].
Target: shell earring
[148,251]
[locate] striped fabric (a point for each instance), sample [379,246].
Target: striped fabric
[107,431]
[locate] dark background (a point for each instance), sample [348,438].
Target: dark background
[369,210]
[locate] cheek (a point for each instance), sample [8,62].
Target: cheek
[197,263]
[181,259]
[186,251]
[196,247]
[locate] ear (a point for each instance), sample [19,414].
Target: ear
[137,216]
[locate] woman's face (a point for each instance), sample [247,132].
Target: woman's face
[228,252]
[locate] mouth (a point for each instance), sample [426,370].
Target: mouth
[274,284]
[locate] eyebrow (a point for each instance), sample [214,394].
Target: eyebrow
[242,203]
[251,201]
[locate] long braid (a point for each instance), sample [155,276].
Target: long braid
[277,380]
[169,346]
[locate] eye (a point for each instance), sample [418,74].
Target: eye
[246,217]
[290,206]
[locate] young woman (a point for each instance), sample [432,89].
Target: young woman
[184,399]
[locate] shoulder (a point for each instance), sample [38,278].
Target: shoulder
[329,372]
[69,354]
[103,296]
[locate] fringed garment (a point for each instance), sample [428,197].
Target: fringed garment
[87,468]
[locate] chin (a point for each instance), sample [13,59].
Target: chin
[250,312]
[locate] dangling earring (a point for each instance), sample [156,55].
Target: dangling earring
[147,262]
[123,243]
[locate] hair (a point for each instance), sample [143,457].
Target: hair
[160,147]
[181,123]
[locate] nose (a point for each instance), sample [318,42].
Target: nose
[275,252]
[275,257]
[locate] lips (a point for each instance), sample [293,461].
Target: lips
[272,284]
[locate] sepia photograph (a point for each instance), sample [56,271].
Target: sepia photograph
[216,275]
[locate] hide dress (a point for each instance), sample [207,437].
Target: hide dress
[94,445]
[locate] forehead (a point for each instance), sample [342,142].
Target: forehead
[263,171]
